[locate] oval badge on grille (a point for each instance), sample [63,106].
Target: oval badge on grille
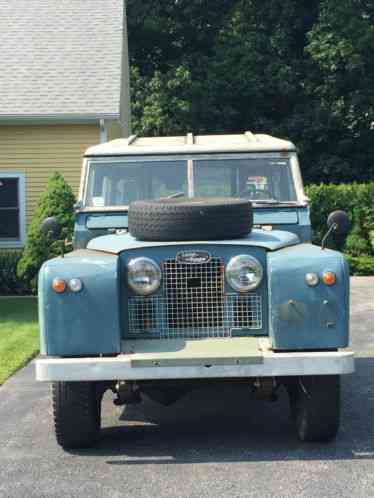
[193,257]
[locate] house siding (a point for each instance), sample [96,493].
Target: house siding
[115,131]
[39,151]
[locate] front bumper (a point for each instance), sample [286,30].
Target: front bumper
[199,359]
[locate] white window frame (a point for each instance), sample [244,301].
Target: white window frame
[20,242]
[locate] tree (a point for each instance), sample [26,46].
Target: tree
[58,200]
[244,62]
[298,69]
[161,104]
[341,45]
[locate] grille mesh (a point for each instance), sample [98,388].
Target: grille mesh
[194,294]
[193,305]
[149,316]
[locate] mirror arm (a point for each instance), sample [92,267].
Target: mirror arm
[332,228]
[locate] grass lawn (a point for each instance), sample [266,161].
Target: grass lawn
[19,334]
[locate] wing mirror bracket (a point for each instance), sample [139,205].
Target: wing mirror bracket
[338,226]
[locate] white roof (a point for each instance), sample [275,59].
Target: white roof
[191,144]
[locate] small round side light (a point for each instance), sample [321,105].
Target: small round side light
[312,279]
[329,278]
[75,285]
[59,285]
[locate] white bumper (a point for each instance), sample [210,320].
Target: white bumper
[123,367]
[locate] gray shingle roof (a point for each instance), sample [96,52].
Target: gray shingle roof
[60,57]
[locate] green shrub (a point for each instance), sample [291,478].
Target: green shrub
[361,265]
[358,201]
[356,246]
[10,284]
[58,200]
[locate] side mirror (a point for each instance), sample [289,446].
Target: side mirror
[50,226]
[338,225]
[340,222]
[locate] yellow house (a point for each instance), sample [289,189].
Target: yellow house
[63,87]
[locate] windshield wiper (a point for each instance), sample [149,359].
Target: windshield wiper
[174,196]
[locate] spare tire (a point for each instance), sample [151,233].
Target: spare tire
[190,219]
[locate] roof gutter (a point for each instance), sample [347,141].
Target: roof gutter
[38,119]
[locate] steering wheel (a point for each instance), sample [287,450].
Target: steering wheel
[256,194]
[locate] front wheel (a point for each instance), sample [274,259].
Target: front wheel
[315,406]
[77,413]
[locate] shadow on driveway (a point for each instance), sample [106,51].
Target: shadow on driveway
[226,425]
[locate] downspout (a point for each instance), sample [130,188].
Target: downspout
[125,99]
[103,132]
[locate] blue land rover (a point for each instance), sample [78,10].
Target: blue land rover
[193,263]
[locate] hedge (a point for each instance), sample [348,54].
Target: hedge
[10,284]
[358,201]
[362,266]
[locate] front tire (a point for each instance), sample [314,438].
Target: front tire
[315,407]
[77,413]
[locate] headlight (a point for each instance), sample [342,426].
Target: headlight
[244,273]
[143,276]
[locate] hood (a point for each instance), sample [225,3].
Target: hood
[272,241]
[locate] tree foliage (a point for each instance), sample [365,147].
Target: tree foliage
[58,200]
[300,69]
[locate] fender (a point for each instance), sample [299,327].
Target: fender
[303,317]
[86,322]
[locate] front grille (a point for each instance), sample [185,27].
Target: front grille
[193,305]
[150,317]
[194,294]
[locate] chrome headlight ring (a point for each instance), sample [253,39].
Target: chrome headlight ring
[143,276]
[244,273]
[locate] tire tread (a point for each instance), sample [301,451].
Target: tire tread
[190,219]
[76,412]
[315,406]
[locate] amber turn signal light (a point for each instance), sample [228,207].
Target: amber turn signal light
[58,285]
[329,278]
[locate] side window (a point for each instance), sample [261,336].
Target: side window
[12,210]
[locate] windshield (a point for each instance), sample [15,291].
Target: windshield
[121,182]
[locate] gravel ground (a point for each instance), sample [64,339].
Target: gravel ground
[215,442]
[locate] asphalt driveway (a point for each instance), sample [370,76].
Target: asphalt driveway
[212,443]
